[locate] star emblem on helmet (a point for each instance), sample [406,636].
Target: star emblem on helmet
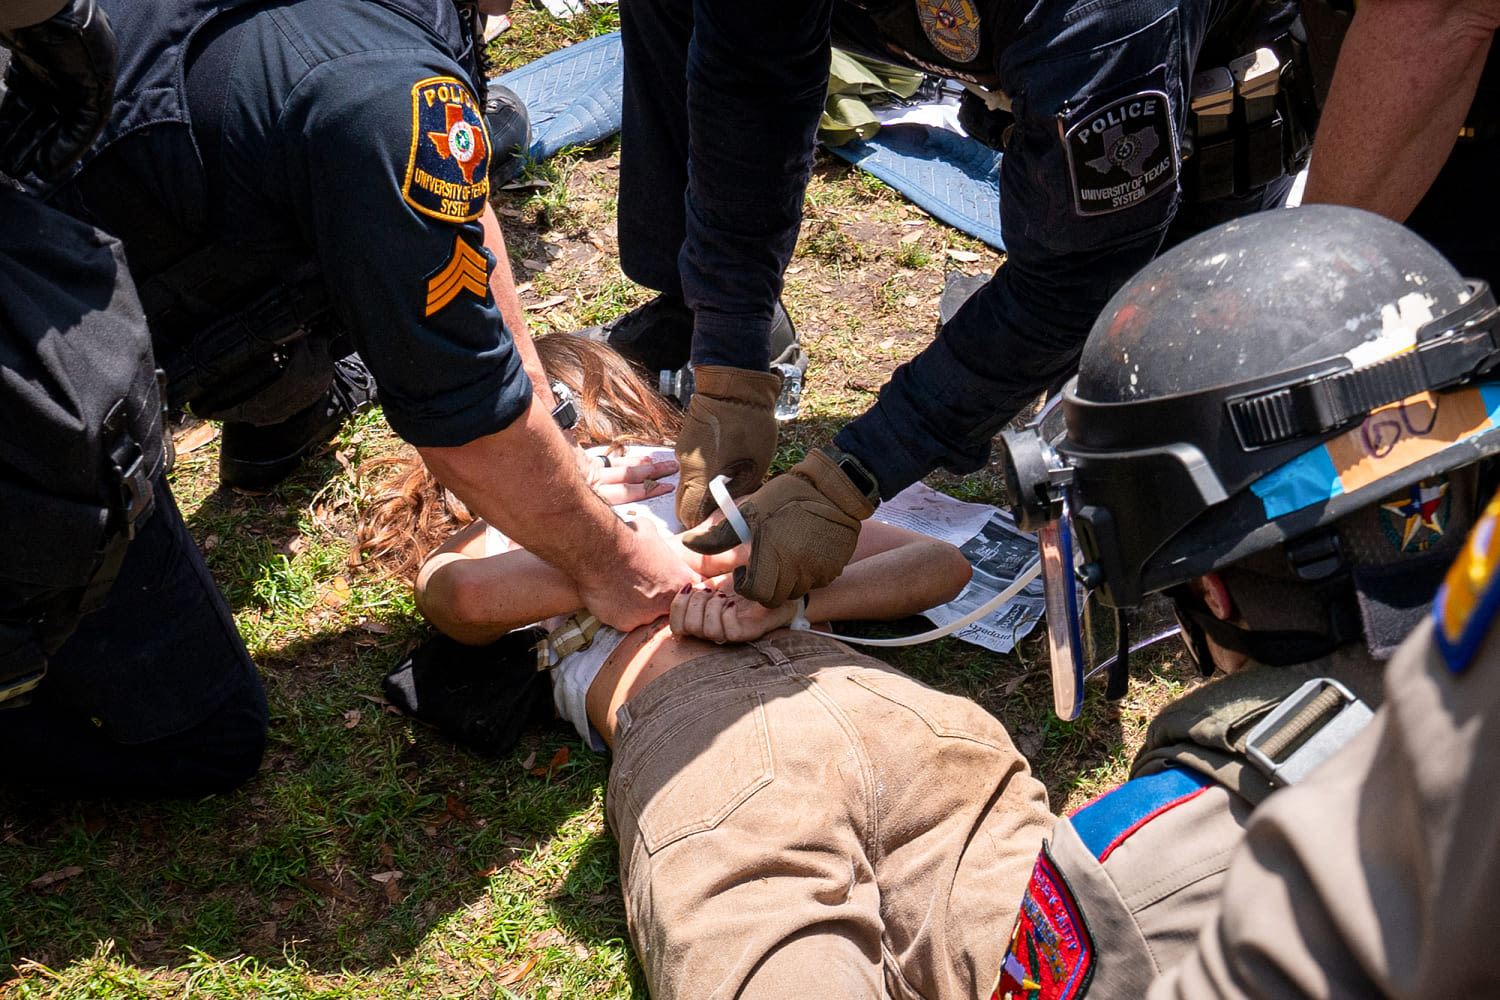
[1421,509]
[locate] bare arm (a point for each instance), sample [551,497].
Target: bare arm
[894,573]
[618,483]
[525,481]
[503,288]
[1406,75]
[476,598]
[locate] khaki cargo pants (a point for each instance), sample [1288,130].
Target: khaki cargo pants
[799,820]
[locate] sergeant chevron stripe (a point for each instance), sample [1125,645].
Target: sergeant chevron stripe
[468,270]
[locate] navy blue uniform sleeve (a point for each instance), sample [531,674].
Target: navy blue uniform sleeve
[390,153]
[1088,188]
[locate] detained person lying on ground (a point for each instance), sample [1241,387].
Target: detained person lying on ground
[475,585]
[788,810]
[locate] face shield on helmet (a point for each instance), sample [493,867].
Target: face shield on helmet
[1248,387]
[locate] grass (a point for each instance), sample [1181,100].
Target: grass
[373,859]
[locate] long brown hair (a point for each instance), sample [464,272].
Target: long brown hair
[414,513]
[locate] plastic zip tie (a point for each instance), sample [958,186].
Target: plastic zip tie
[720,492]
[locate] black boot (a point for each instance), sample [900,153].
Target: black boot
[658,335]
[509,126]
[256,458]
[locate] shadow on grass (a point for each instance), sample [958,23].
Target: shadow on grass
[299,860]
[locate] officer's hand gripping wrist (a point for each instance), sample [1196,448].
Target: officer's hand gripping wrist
[803,529]
[729,430]
[58,91]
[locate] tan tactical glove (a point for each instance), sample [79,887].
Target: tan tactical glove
[730,429]
[803,528]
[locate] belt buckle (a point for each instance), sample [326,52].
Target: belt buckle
[1336,716]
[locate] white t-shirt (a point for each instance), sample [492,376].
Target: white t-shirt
[574,673]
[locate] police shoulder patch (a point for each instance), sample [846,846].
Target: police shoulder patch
[447,173]
[1469,598]
[952,26]
[467,270]
[1051,954]
[1121,153]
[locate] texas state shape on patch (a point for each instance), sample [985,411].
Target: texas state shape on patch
[1122,153]
[448,173]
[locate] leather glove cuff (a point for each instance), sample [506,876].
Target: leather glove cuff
[828,479]
[738,385]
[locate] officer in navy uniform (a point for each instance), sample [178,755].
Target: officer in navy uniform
[1091,105]
[294,181]
[1290,454]
[121,671]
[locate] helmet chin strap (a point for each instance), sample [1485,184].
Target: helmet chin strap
[1271,647]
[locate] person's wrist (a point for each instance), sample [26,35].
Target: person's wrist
[855,472]
[739,385]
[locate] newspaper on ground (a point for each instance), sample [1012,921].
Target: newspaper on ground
[995,547]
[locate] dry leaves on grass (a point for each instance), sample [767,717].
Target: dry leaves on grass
[61,874]
[557,762]
[324,888]
[512,974]
[388,881]
[193,437]
[337,593]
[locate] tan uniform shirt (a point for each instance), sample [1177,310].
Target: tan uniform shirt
[1121,890]
[1380,875]
[1124,886]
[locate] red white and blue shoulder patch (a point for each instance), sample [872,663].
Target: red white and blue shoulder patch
[1469,598]
[1051,954]
[448,172]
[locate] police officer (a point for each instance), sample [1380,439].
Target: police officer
[120,668]
[1277,425]
[1419,144]
[1091,106]
[1373,878]
[295,180]
[1377,877]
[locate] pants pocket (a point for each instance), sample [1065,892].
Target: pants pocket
[695,771]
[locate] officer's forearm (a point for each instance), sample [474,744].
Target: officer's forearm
[23,13]
[503,288]
[1406,75]
[525,482]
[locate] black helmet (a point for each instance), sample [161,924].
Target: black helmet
[1252,385]
[1248,386]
